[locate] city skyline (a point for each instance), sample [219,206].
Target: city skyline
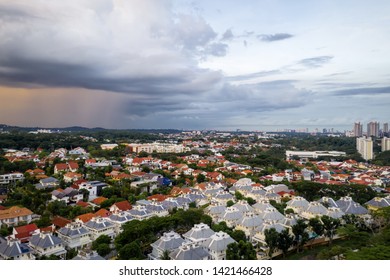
[194,64]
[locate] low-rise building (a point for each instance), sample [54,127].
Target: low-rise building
[46,244]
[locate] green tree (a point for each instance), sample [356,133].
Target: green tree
[285,241]
[330,227]
[200,178]
[271,238]
[238,235]
[131,251]
[300,234]
[241,251]
[229,203]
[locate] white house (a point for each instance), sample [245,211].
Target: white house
[74,235]
[46,244]
[98,226]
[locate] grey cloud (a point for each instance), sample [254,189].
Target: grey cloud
[274,37]
[217,49]
[315,62]
[253,75]
[228,35]
[363,91]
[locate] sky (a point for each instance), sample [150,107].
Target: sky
[226,65]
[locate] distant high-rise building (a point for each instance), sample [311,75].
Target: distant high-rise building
[358,129]
[364,146]
[385,144]
[373,129]
[386,127]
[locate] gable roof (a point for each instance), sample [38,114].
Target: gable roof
[14,212]
[99,200]
[102,213]
[86,217]
[123,205]
[60,221]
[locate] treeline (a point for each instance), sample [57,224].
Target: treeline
[137,236]
[313,191]
[50,141]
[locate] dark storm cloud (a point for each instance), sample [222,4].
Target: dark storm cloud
[274,37]
[315,62]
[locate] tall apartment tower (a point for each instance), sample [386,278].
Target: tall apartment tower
[358,129]
[385,144]
[385,127]
[364,146]
[373,129]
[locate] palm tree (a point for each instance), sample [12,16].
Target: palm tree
[165,255]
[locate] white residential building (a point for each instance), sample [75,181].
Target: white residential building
[98,226]
[46,244]
[365,147]
[74,235]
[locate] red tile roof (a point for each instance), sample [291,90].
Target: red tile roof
[99,200]
[102,213]
[86,217]
[60,221]
[82,203]
[158,197]
[123,205]
[61,166]
[27,228]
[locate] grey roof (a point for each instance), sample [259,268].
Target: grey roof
[121,217]
[328,201]
[290,220]
[98,223]
[244,206]
[93,256]
[258,192]
[335,212]
[73,230]
[215,209]
[348,206]
[250,220]
[316,208]
[182,200]
[13,248]
[169,241]
[271,214]
[223,195]
[198,232]
[170,203]
[272,196]
[139,211]
[277,226]
[262,205]
[219,241]
[188,252]
[49,180]
[44,240]
[298,202]
[156,207]
[232,214]
[246,188]
[379,202]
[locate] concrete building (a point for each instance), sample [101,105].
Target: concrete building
[358,129]
[373,129]
[385,144]
[364,146]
